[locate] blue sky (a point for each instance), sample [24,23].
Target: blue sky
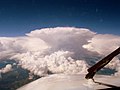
[18,17]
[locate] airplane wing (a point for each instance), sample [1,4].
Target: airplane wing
[73,82]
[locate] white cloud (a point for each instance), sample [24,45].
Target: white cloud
[103,43]
[6,69]
[58,50]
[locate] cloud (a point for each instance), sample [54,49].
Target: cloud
[58,50]
[6,69]
[103,43]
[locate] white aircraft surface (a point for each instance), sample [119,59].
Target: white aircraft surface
[73,82]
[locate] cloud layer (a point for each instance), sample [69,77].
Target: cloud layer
[58,50]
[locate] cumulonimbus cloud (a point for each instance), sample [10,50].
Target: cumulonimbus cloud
[58,50]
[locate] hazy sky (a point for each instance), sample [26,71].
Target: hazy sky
[18,17]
